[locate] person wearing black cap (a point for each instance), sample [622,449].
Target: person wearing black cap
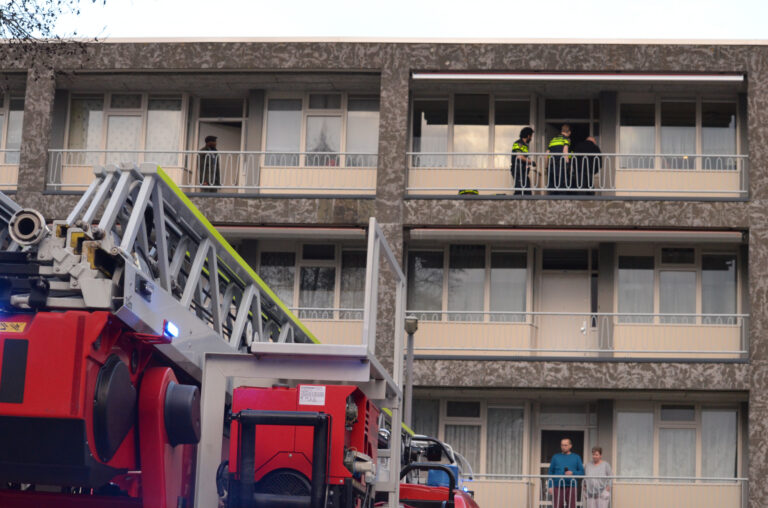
[521,162]
[208,165]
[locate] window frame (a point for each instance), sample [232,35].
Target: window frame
[306,112]
[300,262]
[489,248]
[658,99]
[142,112]
[5,120]
[658,425]
[492,98]
[655,252]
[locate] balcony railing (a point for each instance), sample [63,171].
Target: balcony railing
[532,491]
[9,169]
[228,171]
[332,325]
[610,174]
[583,334]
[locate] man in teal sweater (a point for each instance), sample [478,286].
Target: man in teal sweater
[568,464]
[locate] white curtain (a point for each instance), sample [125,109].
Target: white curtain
[316,288]
[352,283]
[163,130]
[466,281]
[425,417]
[634,443]
[635,288]
[362,132]
[283,132]
[508,285]
[677,452]
[13,136]
[277,270]
[504,450]
[718,287]
[718,443]
[425,283]
[86,123]
[677,295]
[465,439]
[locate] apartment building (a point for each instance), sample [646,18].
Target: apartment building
[623,305]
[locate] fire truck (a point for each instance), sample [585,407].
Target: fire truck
[144,364]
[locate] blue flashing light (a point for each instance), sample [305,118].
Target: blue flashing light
[465,489]
[170,330]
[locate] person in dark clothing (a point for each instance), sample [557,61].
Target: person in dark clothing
[558,164]
[208,165]
[586,163]
[522,163]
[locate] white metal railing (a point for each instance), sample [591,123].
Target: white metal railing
[538,491]
[195,170]
[583,333]
[9,168]
[328,313]
[574,174]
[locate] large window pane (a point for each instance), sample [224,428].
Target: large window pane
[508,285]
[283,132]
[362,132]
[718,443]
[677,295]
[635,288]
[718,134]
[678,134]
[277,269]
[425,284]
[504,450]
[430,132]
[677,452]
[637,135]
[86,120]
[123,133]
[13,137]
[324,138]
[163,130]
[470,130]
[634,444]
[465,439]
[509,119]
[352,283]
[718,287]
[316,288]
[426,413]
[466,281]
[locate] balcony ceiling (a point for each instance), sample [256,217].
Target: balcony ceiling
[12,82]
[235,84]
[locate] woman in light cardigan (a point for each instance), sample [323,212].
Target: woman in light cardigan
[597,488]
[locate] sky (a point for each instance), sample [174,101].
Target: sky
[431,19]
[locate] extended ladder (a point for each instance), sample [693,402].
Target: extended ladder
[136,245]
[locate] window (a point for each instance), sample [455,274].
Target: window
[489,434]
[682,285]
[468,126]
[11,118]
[322,130]
[127,122]
[687,134]
[322,281]
[468,283]
[677,440]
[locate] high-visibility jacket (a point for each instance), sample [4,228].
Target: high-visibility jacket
[558,144]
[520,146]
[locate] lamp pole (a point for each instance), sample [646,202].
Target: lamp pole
[411,325]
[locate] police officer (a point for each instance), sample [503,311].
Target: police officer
[521,163]
[559,168]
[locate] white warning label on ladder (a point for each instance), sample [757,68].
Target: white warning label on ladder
[311,395]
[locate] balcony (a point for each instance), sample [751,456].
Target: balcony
[229,172]
[564,334]
[332,326]
[614,175]
[529,491]
[9,169]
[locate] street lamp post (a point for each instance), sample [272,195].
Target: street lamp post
[411,325]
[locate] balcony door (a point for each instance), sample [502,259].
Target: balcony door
[229,136]
[564,302]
